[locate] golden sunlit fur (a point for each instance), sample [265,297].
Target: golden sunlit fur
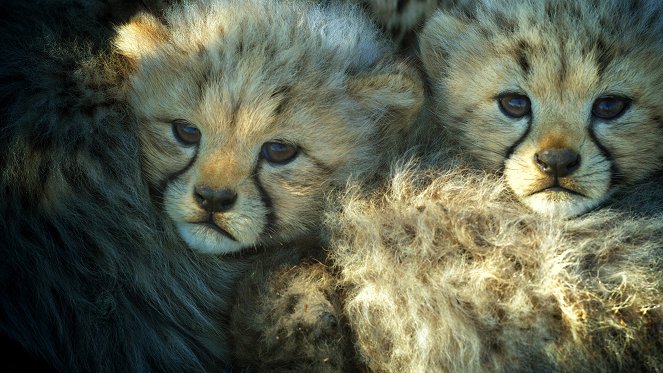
[444,272]
[247,74]
[567,59]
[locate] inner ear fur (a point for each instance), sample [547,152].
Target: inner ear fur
[140,37]
[438,36]
[393,91]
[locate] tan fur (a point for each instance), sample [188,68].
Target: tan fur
[563,56]
[446,271]
[250,72]
[245,73]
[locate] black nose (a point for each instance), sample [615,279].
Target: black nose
[214,200]
[557,162]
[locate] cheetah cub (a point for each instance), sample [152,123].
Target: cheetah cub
[251,110]
[563,97]
[250,113]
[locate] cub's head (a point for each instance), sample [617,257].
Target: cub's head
[251,110]
[564,97]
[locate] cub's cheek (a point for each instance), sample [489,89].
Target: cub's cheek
[297,200]
[521,175]
[162,157]
[179,203]
[250,221]
[635,146]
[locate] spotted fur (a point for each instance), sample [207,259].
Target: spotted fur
[292,319]
[445,271]
[402,20]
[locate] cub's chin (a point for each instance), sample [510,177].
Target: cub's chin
[208,238]
[562,203]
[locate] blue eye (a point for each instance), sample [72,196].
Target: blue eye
[186,132]
[514,105]
[277,152]
[610,107]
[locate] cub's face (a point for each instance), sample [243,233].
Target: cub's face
[244,132]
[567,107]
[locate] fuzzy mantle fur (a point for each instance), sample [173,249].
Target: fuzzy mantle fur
[446,271]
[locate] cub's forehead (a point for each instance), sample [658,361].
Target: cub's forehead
[286,32]
[255,68]
[569,46]
[580,25]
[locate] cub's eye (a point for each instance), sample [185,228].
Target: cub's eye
[514,105]
[610,107]
[278,152]
[186,132]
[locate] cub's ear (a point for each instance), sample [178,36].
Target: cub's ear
[442,34]
[394,92]
[140,37]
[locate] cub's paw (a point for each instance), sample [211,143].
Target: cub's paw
[290,319]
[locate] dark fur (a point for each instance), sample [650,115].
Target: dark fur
[301,302]
[92,279]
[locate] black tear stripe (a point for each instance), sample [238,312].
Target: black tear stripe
[156,191]
[326,170]
[616,177]
[512,148]
[271,223]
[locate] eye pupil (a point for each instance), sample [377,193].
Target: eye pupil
[186,132]
[514,105]
[277,152]
[518,102]
[277,148]
[610,107]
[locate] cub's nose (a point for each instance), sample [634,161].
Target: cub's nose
[557,162]
[214,200]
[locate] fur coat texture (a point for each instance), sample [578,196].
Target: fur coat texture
[443,270]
